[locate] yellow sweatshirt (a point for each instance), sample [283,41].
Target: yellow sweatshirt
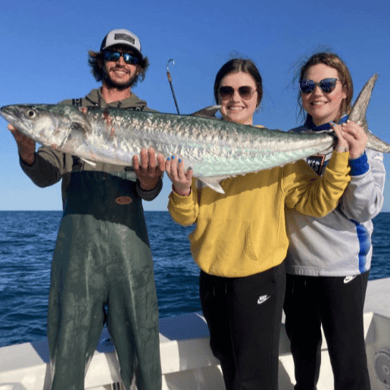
[243,231]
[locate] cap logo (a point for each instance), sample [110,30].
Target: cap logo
[124,37]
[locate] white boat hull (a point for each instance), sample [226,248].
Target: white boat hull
[186,359]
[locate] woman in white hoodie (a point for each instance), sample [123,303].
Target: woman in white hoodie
[329,258]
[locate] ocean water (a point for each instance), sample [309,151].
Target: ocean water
[27,240]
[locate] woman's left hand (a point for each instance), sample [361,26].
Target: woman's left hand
[350,136]
[356,138]
[181,179]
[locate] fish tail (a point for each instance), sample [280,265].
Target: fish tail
[358,115]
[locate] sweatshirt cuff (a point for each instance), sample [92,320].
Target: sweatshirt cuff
[28,167]
[338,160]
[178,199]
[151,194]
[359,166]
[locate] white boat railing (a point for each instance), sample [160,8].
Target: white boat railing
[187,361]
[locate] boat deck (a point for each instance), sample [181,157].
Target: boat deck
[186,359]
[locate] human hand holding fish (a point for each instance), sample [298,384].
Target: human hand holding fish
[354,135]
[26,146]
[342,144]
[181,179]
[150,169]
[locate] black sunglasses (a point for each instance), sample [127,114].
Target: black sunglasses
[245,92]
[327,85]
[115,55]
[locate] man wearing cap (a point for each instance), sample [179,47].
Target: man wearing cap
[102,270]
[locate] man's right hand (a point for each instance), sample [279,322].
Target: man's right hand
[26,146]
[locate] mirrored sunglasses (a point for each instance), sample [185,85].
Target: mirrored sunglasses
[245,92]
[115,55]
[326,85]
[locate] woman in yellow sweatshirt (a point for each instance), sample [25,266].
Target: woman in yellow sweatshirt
[240,240]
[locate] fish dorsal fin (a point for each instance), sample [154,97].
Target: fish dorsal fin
[207,112]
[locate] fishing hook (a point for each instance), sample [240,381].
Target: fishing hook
[170,83]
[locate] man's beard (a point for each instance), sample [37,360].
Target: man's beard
[120,86]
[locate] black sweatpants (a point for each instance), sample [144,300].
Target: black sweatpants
[336,303]
[244,316]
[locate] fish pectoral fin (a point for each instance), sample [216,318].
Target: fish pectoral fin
[78,126]
[212,183]
[207,112]
[88,161]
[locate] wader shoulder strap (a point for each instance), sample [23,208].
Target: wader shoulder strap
[77,102]
[77,163]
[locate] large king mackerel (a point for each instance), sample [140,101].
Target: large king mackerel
[213,148]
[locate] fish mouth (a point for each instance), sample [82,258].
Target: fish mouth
[9,113]
[5,110]
[14,116]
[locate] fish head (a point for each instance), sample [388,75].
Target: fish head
[20,116]
[44,123]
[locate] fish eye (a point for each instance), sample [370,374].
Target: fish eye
[31,114]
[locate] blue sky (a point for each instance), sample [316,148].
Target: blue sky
[44,47]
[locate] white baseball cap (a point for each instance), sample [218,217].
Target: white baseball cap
[121,37]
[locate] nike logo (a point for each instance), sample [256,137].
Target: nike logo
[262,299]
[347,279]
